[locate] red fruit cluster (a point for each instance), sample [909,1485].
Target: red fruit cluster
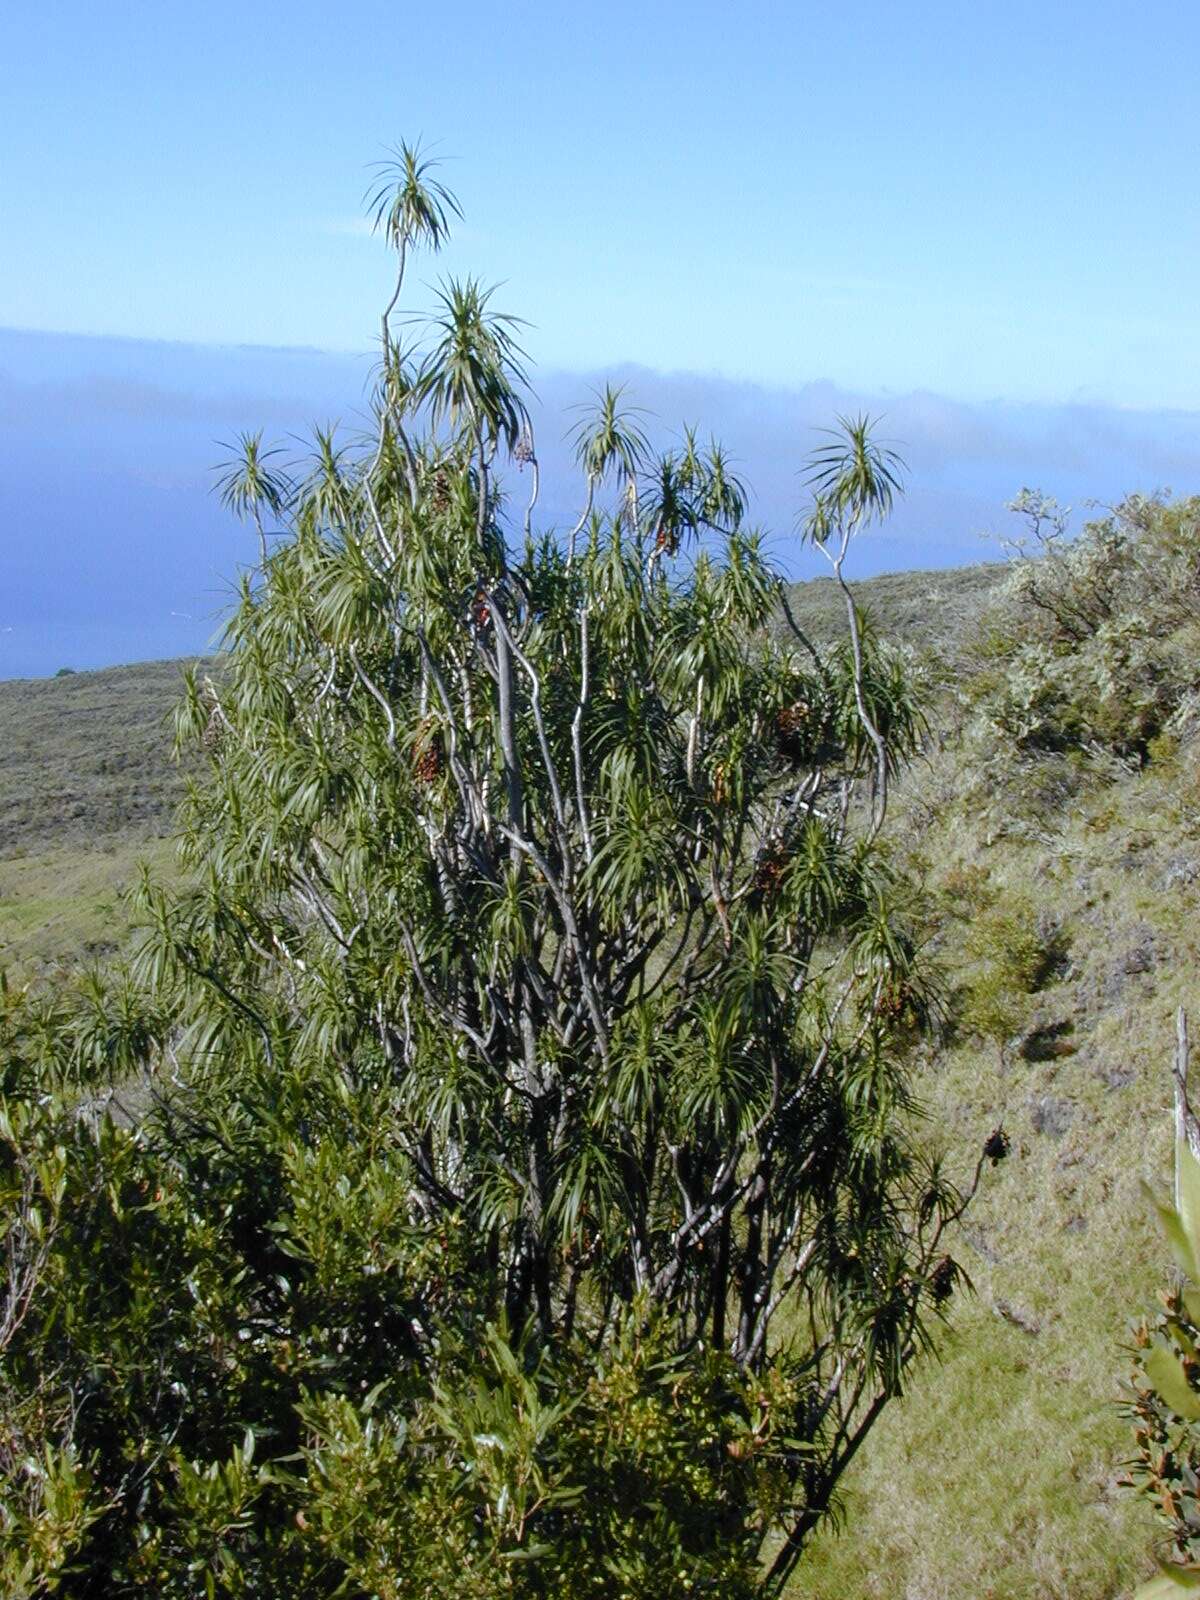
[429,762]
[768,875]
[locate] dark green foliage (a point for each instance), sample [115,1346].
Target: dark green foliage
[521,1197]
[221,1357]
[223,1369]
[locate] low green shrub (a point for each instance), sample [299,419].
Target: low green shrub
[1015,951]
[1093,645]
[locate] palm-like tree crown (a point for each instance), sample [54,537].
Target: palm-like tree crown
[406,205]
[247,484]
[609,436]
[855,475]
[471,376]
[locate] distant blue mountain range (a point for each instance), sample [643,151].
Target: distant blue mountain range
[113,547]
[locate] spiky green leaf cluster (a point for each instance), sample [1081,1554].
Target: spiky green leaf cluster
[525,1201]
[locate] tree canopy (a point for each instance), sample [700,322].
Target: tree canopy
[522,1196]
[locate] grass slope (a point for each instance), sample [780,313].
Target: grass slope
[921,608]
[87,790]
[998,1476]
[62,905]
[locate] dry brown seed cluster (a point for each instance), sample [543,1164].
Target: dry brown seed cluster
[213,737]
[895,1001]
[440,493]
[429,757]
[942,1279]
[791,730]
[768,874]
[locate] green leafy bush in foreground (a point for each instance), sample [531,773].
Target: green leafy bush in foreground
[509,1185]
[213,1384]
[1165,1404]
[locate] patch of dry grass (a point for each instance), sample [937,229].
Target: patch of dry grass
[998,1475]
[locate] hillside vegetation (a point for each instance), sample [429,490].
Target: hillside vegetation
[85,756]
[1054,825]
[87,790]
[1000,1475]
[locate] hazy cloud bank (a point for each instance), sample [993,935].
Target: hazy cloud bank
[112,547]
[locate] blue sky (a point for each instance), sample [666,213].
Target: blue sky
[979,219]
[987,199]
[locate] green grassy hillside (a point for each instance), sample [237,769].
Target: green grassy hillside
[1055,823]
[999,1476]
[87,790]
[1063,915]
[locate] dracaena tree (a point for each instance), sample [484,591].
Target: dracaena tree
[544,997]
